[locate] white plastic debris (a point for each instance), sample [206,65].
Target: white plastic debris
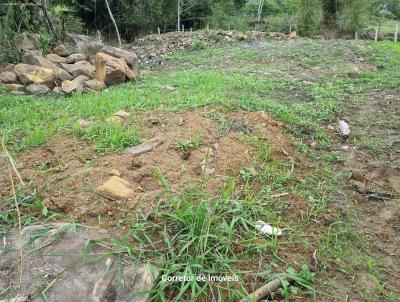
[267,229]
[343,128]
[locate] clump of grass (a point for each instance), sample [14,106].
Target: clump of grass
[110,137]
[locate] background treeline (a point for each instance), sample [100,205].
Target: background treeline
[134,18]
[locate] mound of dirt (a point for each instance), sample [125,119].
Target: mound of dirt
[66,171]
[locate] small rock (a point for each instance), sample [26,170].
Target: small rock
[61,50]
[57,90]
[116,188]
[76,57]
[83,123]
[17,93]
[122,114]
[314,145]
[114,172]
[145,147]
[114,120]
[95,85]
[343,128]
[169,88]
[358,176]
[52,57]
[76,85]
[292,35]
[8,77]
[9,67]
[34,89]
[14,87]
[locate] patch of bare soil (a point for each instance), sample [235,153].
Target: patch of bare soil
[373,192]
[66,171]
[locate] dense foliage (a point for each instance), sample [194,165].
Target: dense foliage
[134,18]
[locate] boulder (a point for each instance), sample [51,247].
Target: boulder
[14,87]
[8,77]
[80,68]
[31,74]
[29,57]
[56,59]
[37,89]
[116,188]
[61,50]
[76,85]
[76,57]
[86,45]
[27,41]
[112,70]
[43,62]
[82,270]
[57,89]
[130,57]
[95,85]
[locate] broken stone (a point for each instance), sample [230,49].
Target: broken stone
[34,89]
[8,77]
[76,85]
[95,85]
[116,188]
[343,128]
[130,57]
[43,62]
[112,70]
[61,50]
[122,114]
[27,41]
[114,172]
[145,147]
[56,59]
[80,68]
[83,267]
[30,74]
[76,57]
[14,87]
[9,67]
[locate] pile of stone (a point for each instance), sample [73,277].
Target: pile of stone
[152,48]
[86,69]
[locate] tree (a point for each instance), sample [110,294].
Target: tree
[115,23]
[309,17]
[352,15]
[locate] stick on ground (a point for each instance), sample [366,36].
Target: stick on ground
[264,290]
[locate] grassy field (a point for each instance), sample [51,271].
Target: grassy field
[305,84]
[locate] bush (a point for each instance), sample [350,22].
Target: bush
[309,17]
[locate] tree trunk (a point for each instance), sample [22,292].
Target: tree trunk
[179,15]
[115,24]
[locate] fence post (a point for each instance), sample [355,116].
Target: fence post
[159,32]
[183,28]
[376,35]
[396,32]
[356,35]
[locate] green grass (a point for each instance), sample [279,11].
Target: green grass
[193,230]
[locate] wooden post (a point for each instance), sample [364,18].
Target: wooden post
[396,32]
[183,28]
[159,32]
[376,35]
[191,30]
[356,35]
